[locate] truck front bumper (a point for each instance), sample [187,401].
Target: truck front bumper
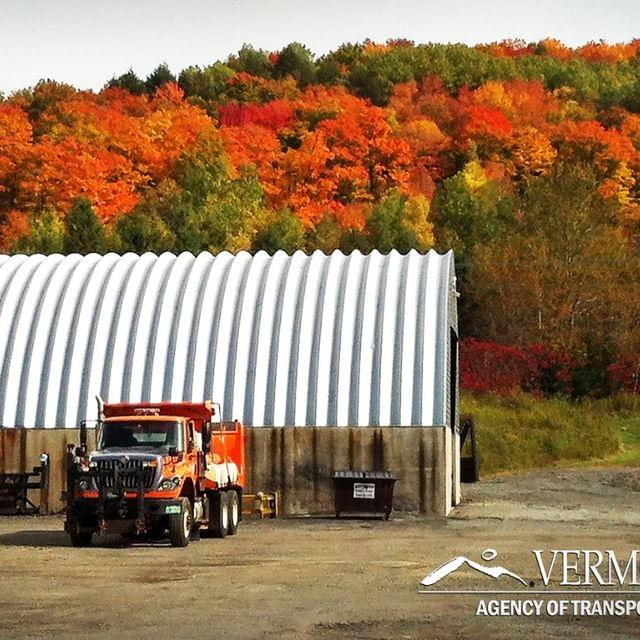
[125,515]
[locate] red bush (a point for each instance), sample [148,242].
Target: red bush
[491,367]
[624,374]
[500,368]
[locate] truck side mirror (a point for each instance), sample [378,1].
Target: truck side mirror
[206,436]
[83,434]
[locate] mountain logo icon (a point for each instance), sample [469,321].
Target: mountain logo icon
[453,565]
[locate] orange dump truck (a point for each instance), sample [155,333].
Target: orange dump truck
[163,470]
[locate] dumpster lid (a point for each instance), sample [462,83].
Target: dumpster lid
[350,474]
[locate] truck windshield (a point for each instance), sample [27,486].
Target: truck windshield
[152,434]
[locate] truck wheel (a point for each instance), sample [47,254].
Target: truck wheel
[180,525]
[234,512]
[219,523]
[81,538]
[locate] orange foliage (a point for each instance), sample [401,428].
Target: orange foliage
[255,146]
[15,141]
[555,49]
[350,159]
[525,104]
[105,147]
[16,226]
[318,102]
[508,48]
[533,152]
[320,150]
[487,126]
[60,172]
[603,52]
[589,140]
[429,98]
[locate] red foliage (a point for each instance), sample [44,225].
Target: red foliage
[275,115]
[624,374]
[547,371]
[480,122]
[503,369]
[491,367]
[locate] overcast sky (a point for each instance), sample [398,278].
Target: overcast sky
[86,42]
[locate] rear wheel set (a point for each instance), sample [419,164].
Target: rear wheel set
[224,513]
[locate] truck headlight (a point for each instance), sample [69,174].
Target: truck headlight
[83,484]
[169,484]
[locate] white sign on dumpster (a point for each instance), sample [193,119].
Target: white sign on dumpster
[364,490]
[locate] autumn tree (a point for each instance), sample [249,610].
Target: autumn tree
[208,83]
[159,77]
[562,276]
[469,210]
[400,222]
[128,81]
[285,232]
[83,231]
[253,61]
[143,230]
[297,61]
[15,149]
[41,232]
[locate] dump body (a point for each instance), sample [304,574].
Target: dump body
[159,469]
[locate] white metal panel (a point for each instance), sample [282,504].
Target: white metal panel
[104,322]
[429,340]
[20,332]
[343,359]
[282,343]
[319,393]
[189,313]
[167,313]
[279,340]
[81,343]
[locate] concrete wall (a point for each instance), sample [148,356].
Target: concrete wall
[299,461]
[296,461]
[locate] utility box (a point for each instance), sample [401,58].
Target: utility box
[363,492]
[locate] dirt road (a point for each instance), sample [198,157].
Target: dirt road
[321,578]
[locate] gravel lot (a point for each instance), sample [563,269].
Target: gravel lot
[320,577]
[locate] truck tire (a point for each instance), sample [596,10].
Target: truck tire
[81,538]
[219,522]
[180,525]
[233,506]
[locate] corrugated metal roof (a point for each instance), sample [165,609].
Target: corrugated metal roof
[278,340]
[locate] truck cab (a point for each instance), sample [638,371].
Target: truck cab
[160,470]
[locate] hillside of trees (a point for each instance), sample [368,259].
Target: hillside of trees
[522,158]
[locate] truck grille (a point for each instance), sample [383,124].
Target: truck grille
[127,473]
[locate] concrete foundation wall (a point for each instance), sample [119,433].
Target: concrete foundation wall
[298,462]
[295,461]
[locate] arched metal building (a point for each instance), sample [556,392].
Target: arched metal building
[319,340]
[278,340]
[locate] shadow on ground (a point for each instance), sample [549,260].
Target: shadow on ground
[48,538]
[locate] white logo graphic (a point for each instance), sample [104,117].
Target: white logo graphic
[454,564]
